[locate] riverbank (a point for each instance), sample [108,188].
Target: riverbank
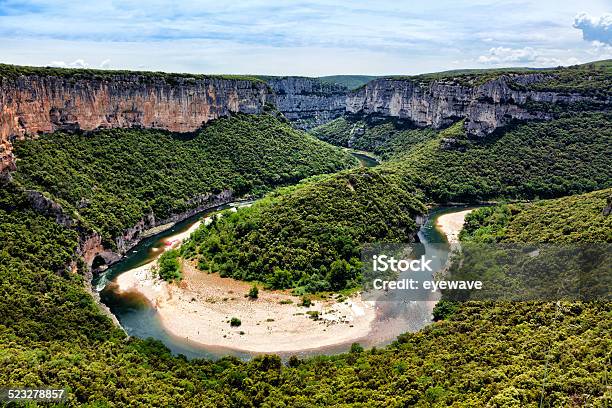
[200,307]
[452,224]
[198,310]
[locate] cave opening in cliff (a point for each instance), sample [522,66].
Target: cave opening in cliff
[98,263]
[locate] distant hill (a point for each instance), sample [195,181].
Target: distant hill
[349,81]
[595,72]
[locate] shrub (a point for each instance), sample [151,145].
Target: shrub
[254,292]
[444,309]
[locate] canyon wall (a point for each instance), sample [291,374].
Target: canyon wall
[32,104]
[36,104]
[308,102]
[439,103]
[90,242]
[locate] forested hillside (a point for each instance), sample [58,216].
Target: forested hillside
[568,155]
[112,178]
[579,218]
[43,300]
[314,230]
[309,236]
[485,354]
[385,138]
[549,159]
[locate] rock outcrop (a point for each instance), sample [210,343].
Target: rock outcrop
[308,102]
[91,244]
[31,104]
[36,104]
[439,103]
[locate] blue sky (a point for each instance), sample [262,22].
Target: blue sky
[304,37]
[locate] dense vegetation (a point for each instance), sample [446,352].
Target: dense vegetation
[568,155]
[572,261]
[309,236]
[13,71]
[579,218]
[43,299]
[52,334]
[385,137]
[565,156]
[168,266]
[111,179]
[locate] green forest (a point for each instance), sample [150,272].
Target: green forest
[543,250]
[111,179]
[308,237]
[385,138]
[572,219]
[484,354]
[564,156]
[14,71]
[549,181]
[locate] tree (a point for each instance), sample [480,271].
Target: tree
[169,266]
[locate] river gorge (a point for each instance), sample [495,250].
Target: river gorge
[275,323]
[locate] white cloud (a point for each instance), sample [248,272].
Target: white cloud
[79,63]
[503,55]
[594,29]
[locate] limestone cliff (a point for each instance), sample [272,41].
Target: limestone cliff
[36,100]
[439,103]
[308,102]
[35,104]
[90,242]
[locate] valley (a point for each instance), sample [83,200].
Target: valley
[102,171]
[274,322]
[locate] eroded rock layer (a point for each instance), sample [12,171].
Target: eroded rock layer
[484,107]
[35,104]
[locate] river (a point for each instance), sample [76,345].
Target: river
[140,319]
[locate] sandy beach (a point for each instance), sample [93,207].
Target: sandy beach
[452,224]
[200,307]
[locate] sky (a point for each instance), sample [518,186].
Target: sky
[312,38]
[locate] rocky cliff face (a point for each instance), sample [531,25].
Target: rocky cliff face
[35,104]
[439,103]
[308,102]
[90,242]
